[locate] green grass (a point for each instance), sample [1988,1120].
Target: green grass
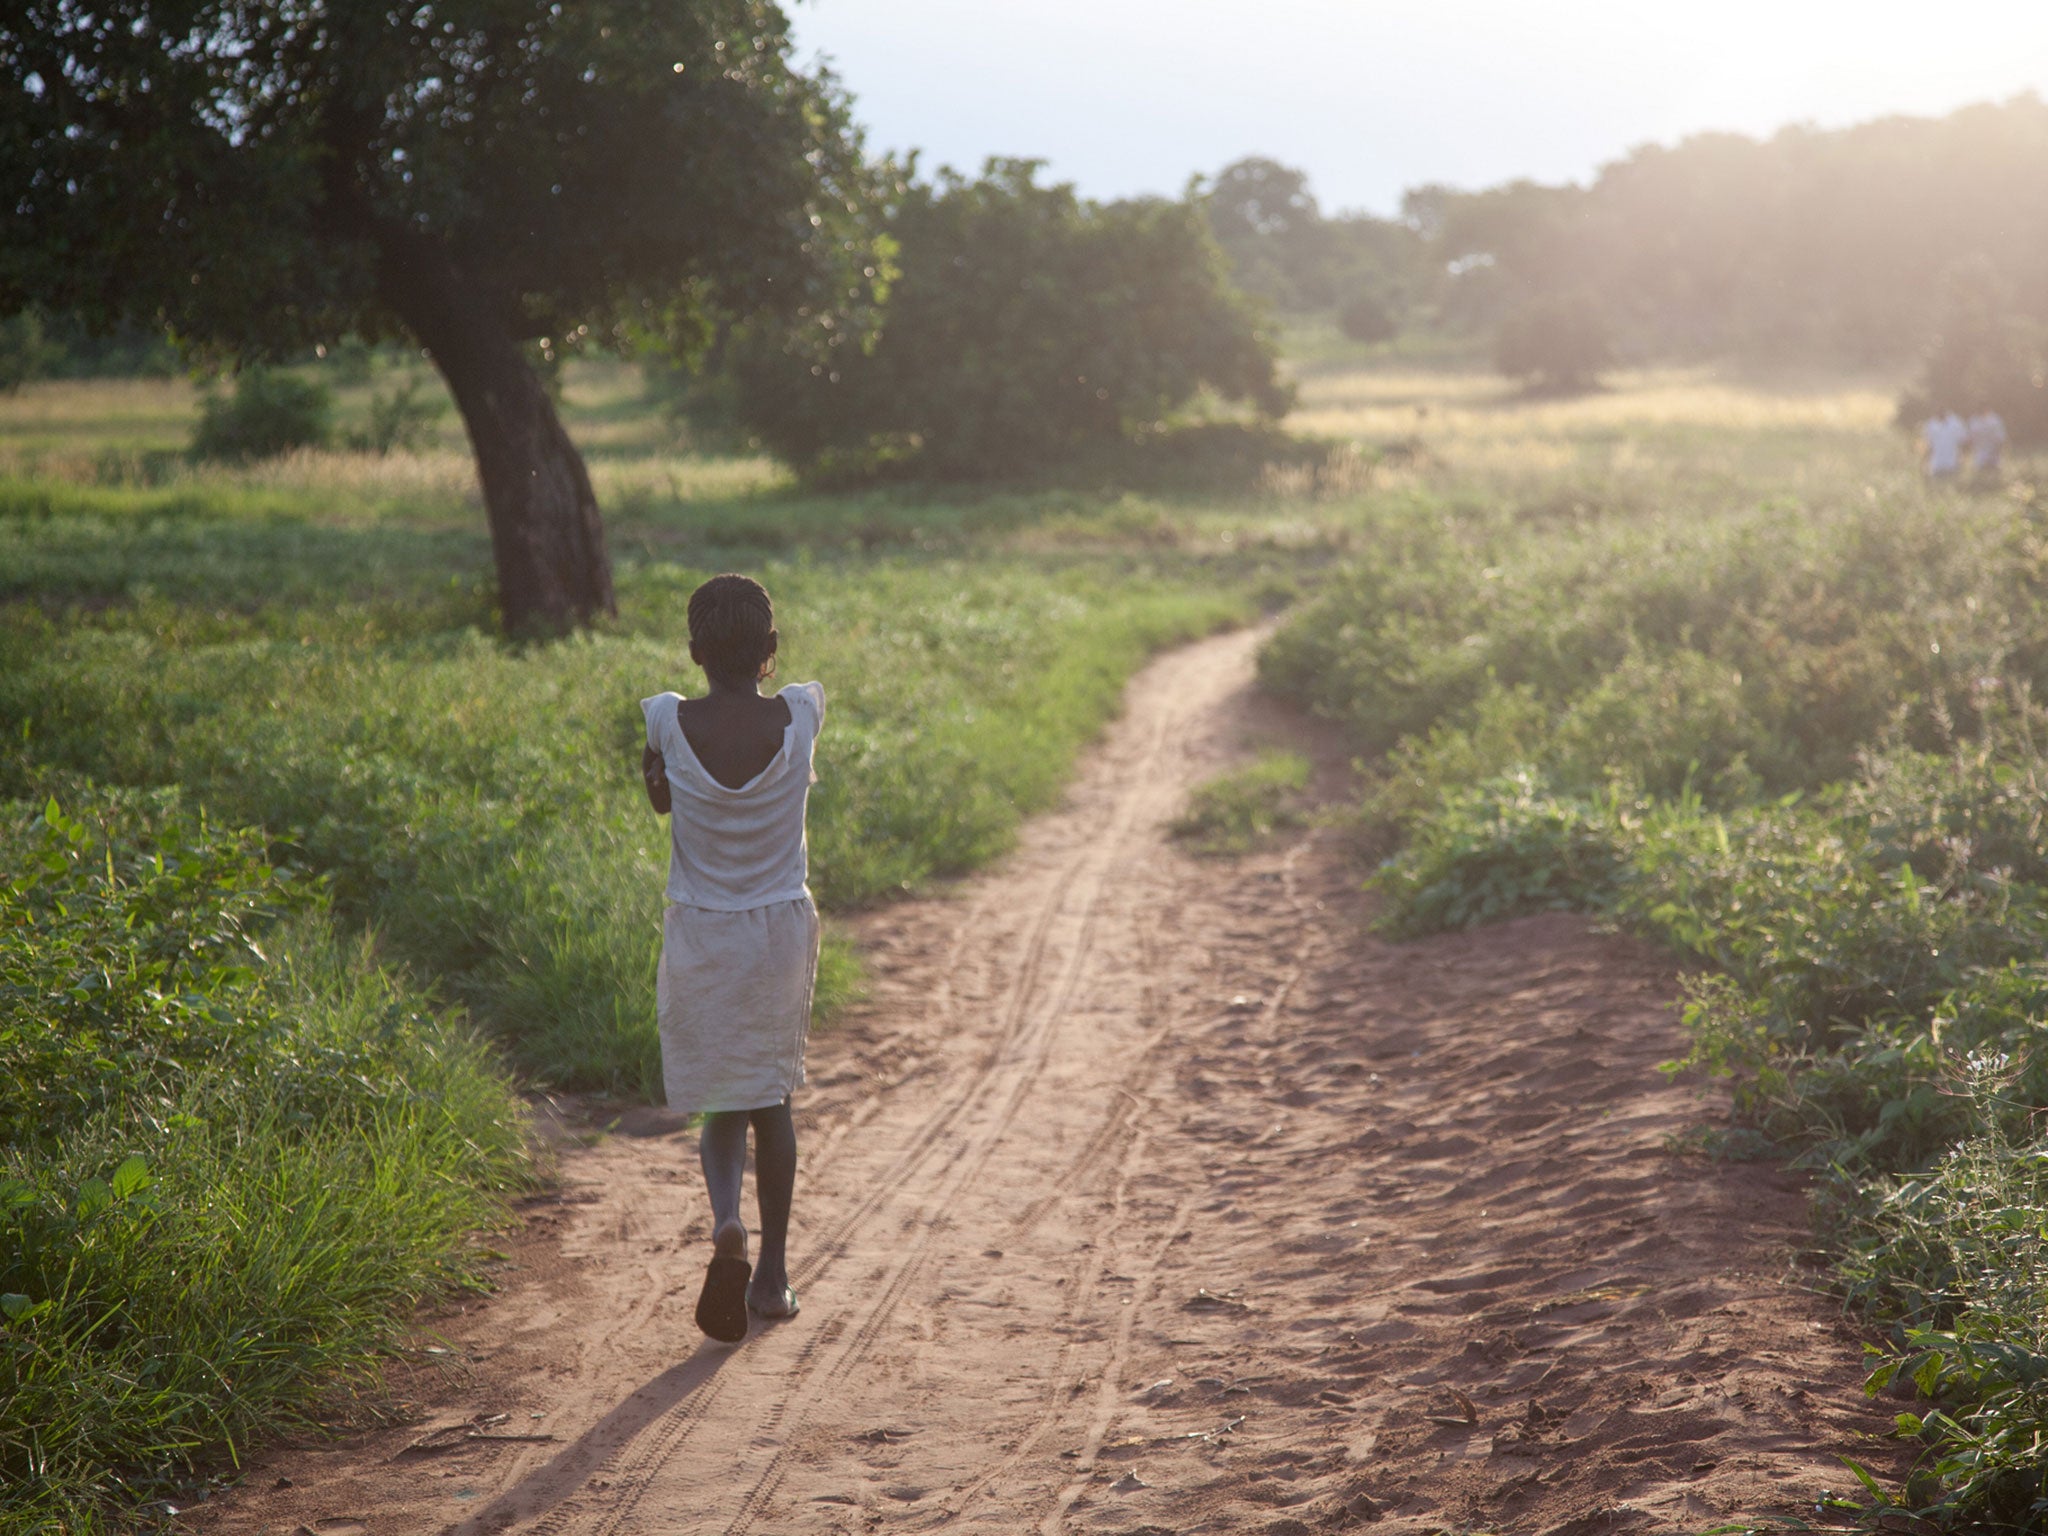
[1236,811]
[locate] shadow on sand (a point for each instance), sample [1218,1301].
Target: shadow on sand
[548,1486]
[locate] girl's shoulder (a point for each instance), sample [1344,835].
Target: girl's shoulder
[659,710]
[806,697]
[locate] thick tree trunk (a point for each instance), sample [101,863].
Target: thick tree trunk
[546,536]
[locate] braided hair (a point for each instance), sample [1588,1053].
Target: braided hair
[732,629]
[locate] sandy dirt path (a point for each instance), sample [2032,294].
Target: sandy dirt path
[1151,1194]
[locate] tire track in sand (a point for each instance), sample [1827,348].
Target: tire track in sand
[632,1465]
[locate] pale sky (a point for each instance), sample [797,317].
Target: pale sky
[1374,96]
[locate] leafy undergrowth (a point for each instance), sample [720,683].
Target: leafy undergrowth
[1234,812]
[1802,747]
[237,1152]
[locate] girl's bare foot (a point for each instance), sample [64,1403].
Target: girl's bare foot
[772,1301]
[730,1241]
[722,1304]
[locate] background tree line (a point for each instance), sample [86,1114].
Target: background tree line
[1857,247]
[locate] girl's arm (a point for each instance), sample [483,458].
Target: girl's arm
[654,775]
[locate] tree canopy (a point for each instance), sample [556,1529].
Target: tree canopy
[1025,323]
[262,175]
[1285,251]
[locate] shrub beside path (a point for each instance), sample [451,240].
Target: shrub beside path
[1147,1193]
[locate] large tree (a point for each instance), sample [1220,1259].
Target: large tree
[262,175]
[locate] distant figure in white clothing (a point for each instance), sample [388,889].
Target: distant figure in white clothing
[739,941]
[1987,440]
[1941,440]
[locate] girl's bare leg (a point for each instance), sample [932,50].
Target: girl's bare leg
[722,1149]
[774,1184]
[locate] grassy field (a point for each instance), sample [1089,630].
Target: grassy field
[1700,652]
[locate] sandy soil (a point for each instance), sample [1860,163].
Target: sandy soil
[1153,1194]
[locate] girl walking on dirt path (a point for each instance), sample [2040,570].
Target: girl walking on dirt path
[739,941]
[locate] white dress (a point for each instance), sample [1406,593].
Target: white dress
[739,941]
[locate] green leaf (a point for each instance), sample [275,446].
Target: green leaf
[1927,1375]
[1863,1476]
[131,1178]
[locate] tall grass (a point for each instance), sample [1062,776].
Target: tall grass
[240,1150]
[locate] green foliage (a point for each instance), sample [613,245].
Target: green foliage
[1754,651]
[1809,246]
[1286,253]
[121,970]
[39,344]
[407,767]
[354,361]
[595,165]
[1494,851]
[1025,324]
[1236,811]
[1966,1244]
[235,1154]
[24,352]
[270,412]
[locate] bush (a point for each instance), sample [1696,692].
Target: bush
[1025,325]
[354,360]
[399,420]
[1972,1235]
[1557,342]
[40,344]
[269,413]
[116,979]
[1499,850]
[236,1155]
[25,353]
[1366,320]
